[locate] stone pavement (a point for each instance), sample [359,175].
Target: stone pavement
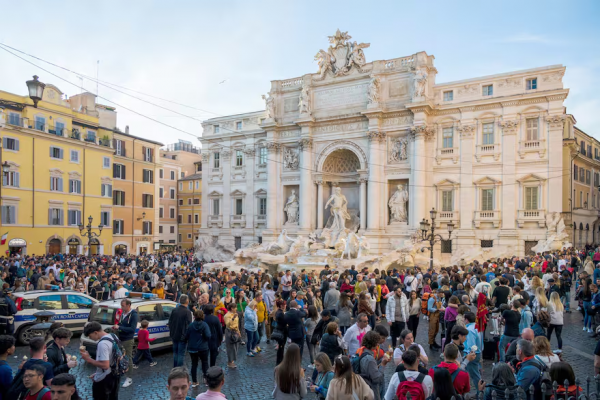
[253,379]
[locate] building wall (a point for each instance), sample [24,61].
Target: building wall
[189,218]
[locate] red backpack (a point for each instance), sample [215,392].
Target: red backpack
[415,388]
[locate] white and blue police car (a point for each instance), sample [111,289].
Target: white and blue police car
[148,306]
[70,307]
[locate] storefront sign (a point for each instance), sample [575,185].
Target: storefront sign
[142,239]
[17,243]
[73,242]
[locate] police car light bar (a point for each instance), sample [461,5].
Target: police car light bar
[141,295]
[52,287]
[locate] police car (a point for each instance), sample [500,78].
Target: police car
[71,307]
[148,306]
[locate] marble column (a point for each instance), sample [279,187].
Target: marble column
[319,204]
[226,206]
[363,203]
[306,185]
[272,211]
[555,146]
[508,205]
[250,206]
[375,179]
[418,175]
[205,201]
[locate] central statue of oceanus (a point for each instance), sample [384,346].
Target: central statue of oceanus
[339,210]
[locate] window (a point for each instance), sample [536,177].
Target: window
[532,128]
[198,167]
[190,185]
[197,185]
[196,201]
[14,119]
[90,137]
[172,193]
[189,219]
[196,218]
[119,171]
[118,227]
[74,217]
[531,198]
[105,218]
[56,184]
[147,200]
[215,208]
[180,219]
[75,302]
[532,84]
[161,173]
[262,155]
[180,186]
[148,312]
[106,190]
[60,128]
[238,207]
[40,124]
[217,160]
[160,229]
[596,179]
[588,176]
[447,200]
[53,302]
[119,147]
[161,212]
[488,90]
[238,125]
[147,176]
[582,147]
[171,213]
[487,243]
[10,144]
[216,128]
[147,228]
[172,175]
[575,172]
[11,178]
[56,152]
[9,215]
[180,202]
[449,95]
[189,235]
[589,151]
[446,246]
[587,200]
[171,229]
[148,154]
[447,137]
[118,198]
[262,206]
[488,133]
[106,163]
[75,186]
[487,199]
[55,216]
[161,193]
[74,156]
[189,202]
[580,199]
[239,158]
[179,237]
[182,175]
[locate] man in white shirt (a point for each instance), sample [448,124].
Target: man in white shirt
[355,333]
[286,282]
[121,292]
[410,282]
[411,373]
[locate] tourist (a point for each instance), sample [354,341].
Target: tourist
[33,380]
[286,284]
[215,380]
[143,348]
[370,371]
[346,385]
[414,311]
[503,383]
[543,351]
[55,351]
[251,327]
[472,349]
[332,298]
[126,330]
[434,306]
[555,309]
[216,334]
[289,376]
[178,383]
[179,320]
[364,307]
[310,323]
[198,335]
[331,341]
[325,374]
[7,349]
[63,388]
[354,334]
[241,303]
[280,331]
[106,384]
[233,336]
[565,286]
[450,314]
[344,312]
[511,319]
[406,340]
[262,317]
[460,378]
[397,313]
[443,386]
[561,372]
[411,373]
[528,370]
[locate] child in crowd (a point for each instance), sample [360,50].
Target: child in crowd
[143,349]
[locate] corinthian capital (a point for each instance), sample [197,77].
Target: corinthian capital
[226,154]
[509,127]
[467,131]
[422,131]
[555,121]
[376,136]
[205,157]
[273,147]
[305,144]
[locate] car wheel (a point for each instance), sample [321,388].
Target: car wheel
[25,334]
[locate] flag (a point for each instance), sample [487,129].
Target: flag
[482,312]
[4,237]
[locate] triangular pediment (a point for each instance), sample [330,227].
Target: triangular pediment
[260,192]
[214,193]
[447,182]
[531,178]
[487,180]
[237,193]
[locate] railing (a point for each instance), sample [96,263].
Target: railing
[445,215]
[214,217]
[399,62]
[447,151]
[486,148]
[56,131]
[16,121]
[188,147]
[538,216]
[486,214]
[39,127]
[104,142]
[531,144]
[90,139]
[292,82]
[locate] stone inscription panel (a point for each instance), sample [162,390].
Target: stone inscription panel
[290,104]
[342,96]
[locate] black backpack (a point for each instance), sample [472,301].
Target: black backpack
[17,390]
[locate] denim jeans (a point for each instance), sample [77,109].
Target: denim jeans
[587,319]
[140,354]
[473,368]
[252,340]
[566,300]
[178,353]
[504,340]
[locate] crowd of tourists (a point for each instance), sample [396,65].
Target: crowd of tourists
[507,309]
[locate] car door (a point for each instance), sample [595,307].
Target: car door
[151,313]
[78,308]
[167,309]
[54,302]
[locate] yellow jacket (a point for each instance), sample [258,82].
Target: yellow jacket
[261,312]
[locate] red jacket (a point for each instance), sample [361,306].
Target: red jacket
[461,383]
[144,339]
[347,287]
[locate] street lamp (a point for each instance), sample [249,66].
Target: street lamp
[36,90]
[428,233]
[5,167]
[143,216]
[86,231]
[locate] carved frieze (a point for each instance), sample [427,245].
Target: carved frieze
[555,121]
[288,134]
[510,83]
[509,127]
[351,126]
[376,136]
[467,90]
[291,161]
[273,147]
[422,131]
[467,131]
[250,152]
[398,150]
[397,121]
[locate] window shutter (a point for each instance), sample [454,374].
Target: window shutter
[61,217]
[60,185]
[4,140]
[144,153]
[4,214]
[17,144]
[102,190]
[51,148]
[4,180]
[12,217]
[50,216]
[123,174]
[109,190]
[17,180]
[114,143]
[115,171]
[78,187]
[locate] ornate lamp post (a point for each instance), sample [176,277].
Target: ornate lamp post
[36,90]
[86,231]
[428,233]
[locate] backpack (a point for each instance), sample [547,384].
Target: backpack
[17,389]
[544,379]
[355,362]
[424,300]
[119,364]
[41,393]
[415,388]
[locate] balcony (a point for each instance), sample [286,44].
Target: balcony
[484,150]
[538,216]
[216,173]
[532,146]
[104,142]
[238,221]
[15,121]
[451,153]
[260,219]
[447,216]
[75,134]
[215,220]
[90,139]
[492,217]
[60,131]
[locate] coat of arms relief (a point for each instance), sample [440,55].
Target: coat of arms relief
[341,56]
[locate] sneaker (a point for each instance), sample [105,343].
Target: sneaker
[127,382]
[578,308]
[258,349]
[268,341]
[243,343]
[195,385]
[590,330]
[310,366]
[135,366]
[153,363]
[251,354]
[584,329]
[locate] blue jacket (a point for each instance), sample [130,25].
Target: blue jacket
[529,374]
[250,320]
[128,326]
[198,336]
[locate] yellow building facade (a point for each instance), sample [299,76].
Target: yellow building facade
[189,202]
[59,174]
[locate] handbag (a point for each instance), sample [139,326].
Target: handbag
[277,335]
[235,338]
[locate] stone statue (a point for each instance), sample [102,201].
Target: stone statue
[552,220]
[420,83]
[397,205]
[556,236]
[304,101]
[290,159]
[373,94]
[357,56]
[338,210]
[270,105]
[341,55]
[364,248]
[399,150]
[291,209]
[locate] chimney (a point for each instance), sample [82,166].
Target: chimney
[127,129]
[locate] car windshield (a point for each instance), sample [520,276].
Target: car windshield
[103,315]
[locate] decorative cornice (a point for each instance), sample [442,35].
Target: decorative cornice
[467,131]
[226,154]
[560,96]
[556,121]
[487,106]
[205,157]
[305,144]
[422,131]
[250,152]
[376,136]
[509,127]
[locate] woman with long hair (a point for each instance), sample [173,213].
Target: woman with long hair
[232,335]
[503,379]
[555,308]
[443,389]
[540,302]
[414,310]
[331,342]
[344,313]
[543,352]
[241,302]
[364,307]
[346,385]
[251,328]
[310,323]
[585,294]
[289,376]
[324,376]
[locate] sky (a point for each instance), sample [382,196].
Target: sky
[182,51]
